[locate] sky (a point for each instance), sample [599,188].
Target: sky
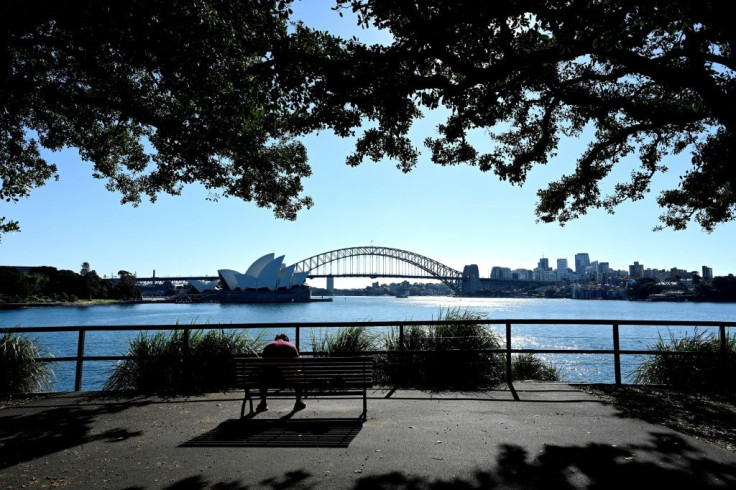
[455,215]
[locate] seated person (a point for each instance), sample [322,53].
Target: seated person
[279,347]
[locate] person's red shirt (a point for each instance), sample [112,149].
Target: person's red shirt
[280,348]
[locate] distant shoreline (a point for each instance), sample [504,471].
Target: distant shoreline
[85,303]
[56,304]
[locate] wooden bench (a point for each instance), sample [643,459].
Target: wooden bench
[321,376]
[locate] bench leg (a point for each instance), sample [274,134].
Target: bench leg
[248,398]
[364,416]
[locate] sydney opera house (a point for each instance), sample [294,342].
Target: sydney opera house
[268,279]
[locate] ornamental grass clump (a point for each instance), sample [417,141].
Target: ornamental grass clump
[19,370]
[452,355]
[530,367]
[346,341]
[168,363]
[700,365]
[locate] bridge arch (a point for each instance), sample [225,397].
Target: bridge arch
[323,265]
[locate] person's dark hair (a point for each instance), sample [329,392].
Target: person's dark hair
[282,336]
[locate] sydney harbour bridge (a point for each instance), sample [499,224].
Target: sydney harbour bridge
[377,262]
[371,262]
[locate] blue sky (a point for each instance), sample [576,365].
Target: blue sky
[456,215]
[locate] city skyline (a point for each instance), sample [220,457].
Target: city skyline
[455,215]
[610,267]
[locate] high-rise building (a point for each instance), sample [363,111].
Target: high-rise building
[707,273]
[543,264]
[636,270]
[561,269]
[582,260]
[602,272]
[501,273]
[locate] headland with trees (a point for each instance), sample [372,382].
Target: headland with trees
[49,286]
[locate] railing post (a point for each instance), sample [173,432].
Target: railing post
[402,355]
[616,355]
[80,363]
[723,339]
[508,352]
[185,347]
[297,331]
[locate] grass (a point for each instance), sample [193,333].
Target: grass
[348,341]
[444,356]
[165,363]
[456,353]
[690,362]
[531,367]
[19,370]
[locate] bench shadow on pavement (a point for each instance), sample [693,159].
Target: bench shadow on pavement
[281,432]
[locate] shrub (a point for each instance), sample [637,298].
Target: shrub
[19,370]
[529,366]
[708,368]
[163,363]
[212,357]
[443,356]
[347,341]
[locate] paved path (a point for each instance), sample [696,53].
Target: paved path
[554,436]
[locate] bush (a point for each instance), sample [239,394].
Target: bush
[19,370]
[444,356]
[348,341]
[156,363]
[708,368]
[529,366]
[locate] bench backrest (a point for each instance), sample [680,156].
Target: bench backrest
[344,372]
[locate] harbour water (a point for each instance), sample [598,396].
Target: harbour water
[576,368]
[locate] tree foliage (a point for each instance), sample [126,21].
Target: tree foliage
[51,284]
[720,289]
[648,79]
[218,92]
[156,96]
[643,288]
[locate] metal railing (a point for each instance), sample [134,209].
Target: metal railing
[615,351]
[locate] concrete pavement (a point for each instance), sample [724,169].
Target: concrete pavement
[553,436]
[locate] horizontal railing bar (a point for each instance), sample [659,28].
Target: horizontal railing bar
[80,358]
[427,352]
[291,325]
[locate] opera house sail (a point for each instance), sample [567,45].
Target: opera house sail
[267,279]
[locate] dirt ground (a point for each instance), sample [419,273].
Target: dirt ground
[710,417]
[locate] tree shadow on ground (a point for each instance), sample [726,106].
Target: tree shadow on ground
[667,460]
[290,480]
[676,465]
[710,416]
[29,432]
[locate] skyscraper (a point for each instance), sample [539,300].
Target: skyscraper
[543,264]
[636,270]
[561,268]
[707,273]
[582,260]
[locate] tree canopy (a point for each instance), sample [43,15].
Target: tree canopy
[647,78]
[156,96]
[217,92]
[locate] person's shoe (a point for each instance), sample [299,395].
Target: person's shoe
[300,405]
[262,407]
